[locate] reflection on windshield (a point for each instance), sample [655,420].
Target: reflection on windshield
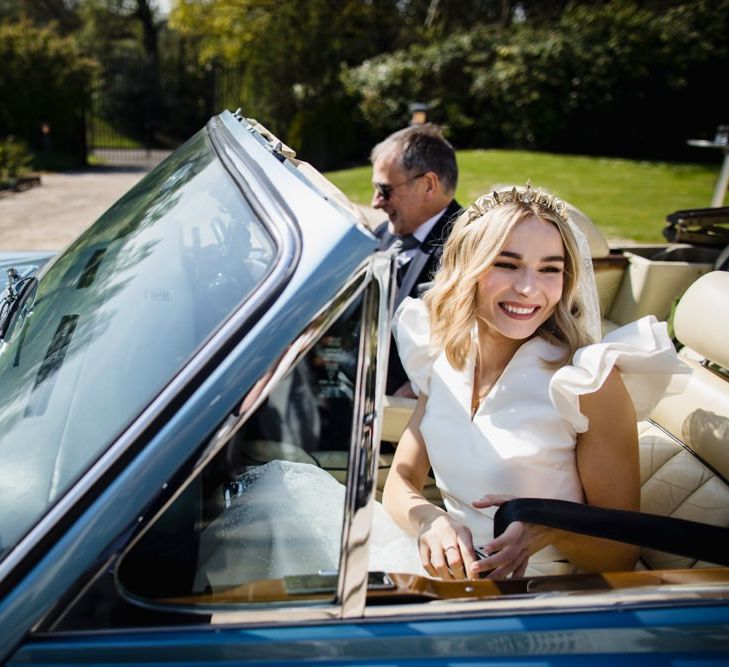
[114,319]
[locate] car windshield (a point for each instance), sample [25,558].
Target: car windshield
[113,320]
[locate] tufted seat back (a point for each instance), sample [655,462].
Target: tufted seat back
[684,447]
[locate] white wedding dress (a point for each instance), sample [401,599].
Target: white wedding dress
[287,521]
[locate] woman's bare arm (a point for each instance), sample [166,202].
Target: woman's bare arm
[445,546]
[607,461]
[402,495]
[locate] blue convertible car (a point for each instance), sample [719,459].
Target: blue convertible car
[191,407]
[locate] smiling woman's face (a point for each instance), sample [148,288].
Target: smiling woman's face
[519,292]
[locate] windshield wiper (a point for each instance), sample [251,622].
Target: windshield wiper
[19,290]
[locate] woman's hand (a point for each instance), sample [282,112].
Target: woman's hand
[446,548]
[508,555]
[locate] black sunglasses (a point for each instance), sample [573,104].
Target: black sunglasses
[385,189]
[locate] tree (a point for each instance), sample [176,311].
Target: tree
[61,13]
[289,54]
[620,78]
[119,27]
[44,85]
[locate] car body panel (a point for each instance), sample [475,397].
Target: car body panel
[686,635]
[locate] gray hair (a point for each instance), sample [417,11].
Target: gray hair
[422,148]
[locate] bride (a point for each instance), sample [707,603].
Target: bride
[515,399]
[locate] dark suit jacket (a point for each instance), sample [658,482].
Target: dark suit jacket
[433,245]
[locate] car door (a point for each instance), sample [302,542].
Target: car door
[233,531]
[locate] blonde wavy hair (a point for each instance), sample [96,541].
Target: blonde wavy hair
[477,238]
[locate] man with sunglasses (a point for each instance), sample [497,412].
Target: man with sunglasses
[414,175]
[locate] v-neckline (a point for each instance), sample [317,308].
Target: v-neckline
[471,379]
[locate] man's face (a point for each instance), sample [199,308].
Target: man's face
[406,205]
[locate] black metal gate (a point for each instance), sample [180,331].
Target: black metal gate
[141,110]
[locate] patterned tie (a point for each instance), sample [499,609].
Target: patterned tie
[400,246]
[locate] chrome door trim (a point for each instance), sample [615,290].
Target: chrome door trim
[634,599]
[365,446]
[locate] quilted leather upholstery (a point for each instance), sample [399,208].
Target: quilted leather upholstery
[684,453]
[676,483]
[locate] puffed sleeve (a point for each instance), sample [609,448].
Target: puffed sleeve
[644,356]
[411,328]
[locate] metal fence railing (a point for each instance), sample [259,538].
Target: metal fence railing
[142,110]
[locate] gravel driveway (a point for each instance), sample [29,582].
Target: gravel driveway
[49,217]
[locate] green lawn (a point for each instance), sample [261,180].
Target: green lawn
[107,133]
[626,199]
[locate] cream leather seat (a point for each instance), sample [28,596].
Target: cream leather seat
[684,447]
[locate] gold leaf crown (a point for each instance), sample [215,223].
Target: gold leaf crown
[526,195]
